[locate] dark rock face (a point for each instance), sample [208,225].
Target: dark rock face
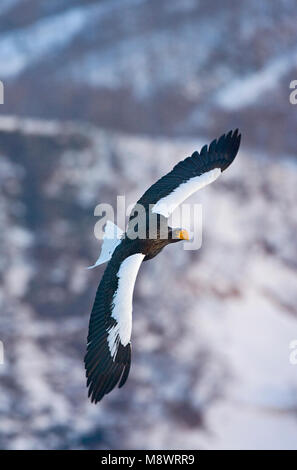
[199,317]
[157,67]
[211,328]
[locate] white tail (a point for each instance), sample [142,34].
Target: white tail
[111,239]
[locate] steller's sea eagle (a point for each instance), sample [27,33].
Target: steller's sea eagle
[108,356]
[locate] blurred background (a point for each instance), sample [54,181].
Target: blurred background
[101,99]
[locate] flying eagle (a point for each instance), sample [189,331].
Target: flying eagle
[108,356]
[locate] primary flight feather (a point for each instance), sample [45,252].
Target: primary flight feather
[108,356]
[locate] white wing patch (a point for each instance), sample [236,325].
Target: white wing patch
[111,239]
[122,303]
[169,203]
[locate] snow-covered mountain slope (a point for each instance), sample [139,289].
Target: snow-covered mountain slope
[158,67]
[211,328]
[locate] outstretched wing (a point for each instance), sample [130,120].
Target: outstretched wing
[191,174]
[108,357]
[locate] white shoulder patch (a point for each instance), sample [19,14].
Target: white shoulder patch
[111,239]
[122,302]
[169,203]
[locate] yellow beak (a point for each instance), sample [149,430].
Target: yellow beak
[183,235]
